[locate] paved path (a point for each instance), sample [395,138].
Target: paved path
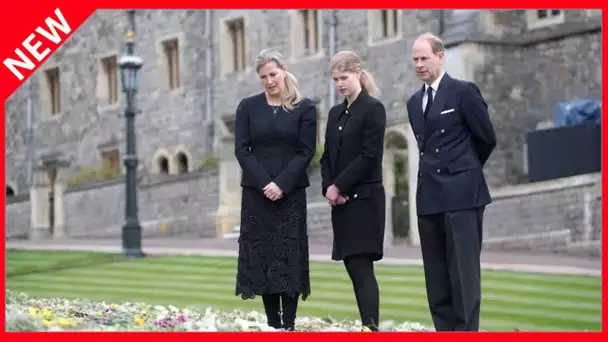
[530,262]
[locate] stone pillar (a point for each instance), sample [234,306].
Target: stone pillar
[229,209]
[388,177]
[413,158]
[58,191]
[39,200]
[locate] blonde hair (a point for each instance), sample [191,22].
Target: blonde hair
[349,61]
[290,96]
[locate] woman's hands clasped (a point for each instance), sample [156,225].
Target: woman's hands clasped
[273,192]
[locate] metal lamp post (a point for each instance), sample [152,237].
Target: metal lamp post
[129,75]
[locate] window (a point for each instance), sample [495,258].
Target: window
[163,165]
[110,81]
[182,162]
[237,55]
[111,161]
[171,50]
[383,24]
[308,22]
[544,14]
[543,18]
[389,23]
[9,191]
[54,87]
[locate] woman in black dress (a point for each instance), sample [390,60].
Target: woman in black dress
[352,179]
[275,140]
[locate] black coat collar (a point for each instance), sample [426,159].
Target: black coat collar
[362,99]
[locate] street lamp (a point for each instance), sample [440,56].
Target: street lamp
[129,74]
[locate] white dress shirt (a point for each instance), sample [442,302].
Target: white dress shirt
[434,86]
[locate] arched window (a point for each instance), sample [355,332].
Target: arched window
[163,165]
[182,162]
[9,191]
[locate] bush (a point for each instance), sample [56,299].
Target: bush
[93,174]
[28,314]
[316,159]
[208,162]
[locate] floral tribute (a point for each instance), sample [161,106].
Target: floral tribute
[24,313]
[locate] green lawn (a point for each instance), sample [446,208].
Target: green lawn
[530,302]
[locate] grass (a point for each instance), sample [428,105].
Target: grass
[526,301]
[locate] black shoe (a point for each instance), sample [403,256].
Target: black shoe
[274,320]
[289,322]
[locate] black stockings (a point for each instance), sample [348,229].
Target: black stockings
[360,268]
[272,306]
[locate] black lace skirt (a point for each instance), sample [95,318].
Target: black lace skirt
[273,245]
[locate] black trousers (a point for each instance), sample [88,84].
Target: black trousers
[451,248]
[360,269]
[272,306]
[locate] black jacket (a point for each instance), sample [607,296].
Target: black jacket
[454,142]
[354,145]
[275,147]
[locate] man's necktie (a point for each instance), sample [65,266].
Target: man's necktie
[429,101]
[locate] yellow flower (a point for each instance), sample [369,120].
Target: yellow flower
[66,322]
[33,312]
[47,322]
[139,321]
[366,329]
[47,313]
[113,305]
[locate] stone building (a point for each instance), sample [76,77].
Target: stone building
[198,65]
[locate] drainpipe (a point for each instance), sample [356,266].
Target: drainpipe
[333,23]
[209,122]
[441,22]
[29,135]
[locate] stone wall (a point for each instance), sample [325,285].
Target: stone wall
[94,209]
[569,205]
[523,84]
[183,205]
[17,221]
[561,215]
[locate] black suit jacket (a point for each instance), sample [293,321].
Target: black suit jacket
[454,142]
[275,147]
[354,145]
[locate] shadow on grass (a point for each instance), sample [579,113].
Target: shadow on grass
[53,264]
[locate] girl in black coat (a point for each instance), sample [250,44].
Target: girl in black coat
[352,179]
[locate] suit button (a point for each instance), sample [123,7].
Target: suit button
[438,171]
[421,153]
[437,150]
[346,112]
[355,196]
[442,131]
[340,128]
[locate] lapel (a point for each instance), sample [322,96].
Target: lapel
[417,116]
[438,103]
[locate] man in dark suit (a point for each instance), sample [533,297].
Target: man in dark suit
[455,138]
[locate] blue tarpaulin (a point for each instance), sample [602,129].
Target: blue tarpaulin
[577,111]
